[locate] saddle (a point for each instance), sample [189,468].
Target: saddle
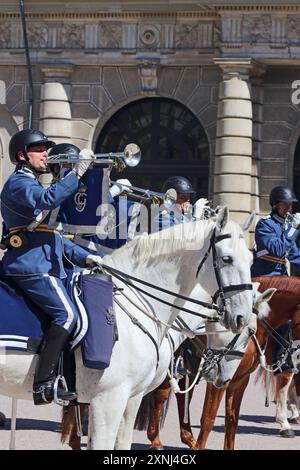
[23,324]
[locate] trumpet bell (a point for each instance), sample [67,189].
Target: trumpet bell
[132,155]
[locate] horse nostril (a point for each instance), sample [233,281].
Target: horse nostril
[240,321]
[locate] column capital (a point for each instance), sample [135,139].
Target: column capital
[239,67]
[56,73]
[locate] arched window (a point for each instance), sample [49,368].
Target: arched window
[171,139]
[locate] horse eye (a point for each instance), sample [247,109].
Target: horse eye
[227,259]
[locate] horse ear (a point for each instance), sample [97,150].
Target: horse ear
[248,222]
[268,294]
[222,217]
[261,302]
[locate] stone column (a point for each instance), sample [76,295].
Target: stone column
[257,104]
[233,154]
[55,114]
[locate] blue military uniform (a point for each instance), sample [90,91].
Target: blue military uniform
[37,267]
[275,243]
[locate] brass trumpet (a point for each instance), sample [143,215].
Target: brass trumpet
[168,198]
[130,157]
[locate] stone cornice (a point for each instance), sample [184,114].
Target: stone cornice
[257,8]
[59,15]
[213,12]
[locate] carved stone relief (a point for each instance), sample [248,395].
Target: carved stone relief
[37,35]
[5,35]
[149,35]
[110,35]
[217,34]
[186,35]
[72,35]
[257,28]
[148,77]
[293,29]
[231,31]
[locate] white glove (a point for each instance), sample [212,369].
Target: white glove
[92,261]
[294,220]
[199,207]
[86,157]
[119,186]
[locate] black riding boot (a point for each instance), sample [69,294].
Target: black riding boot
[45,373]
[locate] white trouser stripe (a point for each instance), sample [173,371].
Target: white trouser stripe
[13,344]
[24,338]
[64,300]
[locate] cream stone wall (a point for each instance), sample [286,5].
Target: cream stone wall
[231,63]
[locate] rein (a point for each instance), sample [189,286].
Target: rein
[288,347]
[127,277]
[136,322]
[222,289]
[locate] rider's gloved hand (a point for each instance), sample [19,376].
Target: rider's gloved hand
[294,220]
[92,261]
[119,186]
[199,207]
[86,157]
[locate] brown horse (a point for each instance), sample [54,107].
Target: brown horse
[285,305]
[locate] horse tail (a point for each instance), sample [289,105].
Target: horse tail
[145,412]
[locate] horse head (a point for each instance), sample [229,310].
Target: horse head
[221,372]
[225,269]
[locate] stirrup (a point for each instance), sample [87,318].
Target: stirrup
[60,380]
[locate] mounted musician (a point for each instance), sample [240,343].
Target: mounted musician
[34,255]
[183,210]
[275,238]
[97,206]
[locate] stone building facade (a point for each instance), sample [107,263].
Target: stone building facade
[218,82]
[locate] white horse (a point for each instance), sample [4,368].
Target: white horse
[222,372]
[173,259]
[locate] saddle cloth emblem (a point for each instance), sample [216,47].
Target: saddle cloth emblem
[80,199]
[110,316]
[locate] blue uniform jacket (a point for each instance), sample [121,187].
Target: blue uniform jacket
[22,199]
[274,238]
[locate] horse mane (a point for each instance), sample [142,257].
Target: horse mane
[190,235]
[263,310]
[289,284]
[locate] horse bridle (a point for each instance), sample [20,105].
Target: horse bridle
[222,290]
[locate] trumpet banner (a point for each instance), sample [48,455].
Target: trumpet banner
[81,213]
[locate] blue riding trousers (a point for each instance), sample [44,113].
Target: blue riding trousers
[50,295]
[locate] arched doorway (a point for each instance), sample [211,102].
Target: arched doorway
[171,139]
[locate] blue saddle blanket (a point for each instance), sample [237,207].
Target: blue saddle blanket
[22,324]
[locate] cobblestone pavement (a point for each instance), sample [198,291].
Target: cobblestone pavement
[37,427]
